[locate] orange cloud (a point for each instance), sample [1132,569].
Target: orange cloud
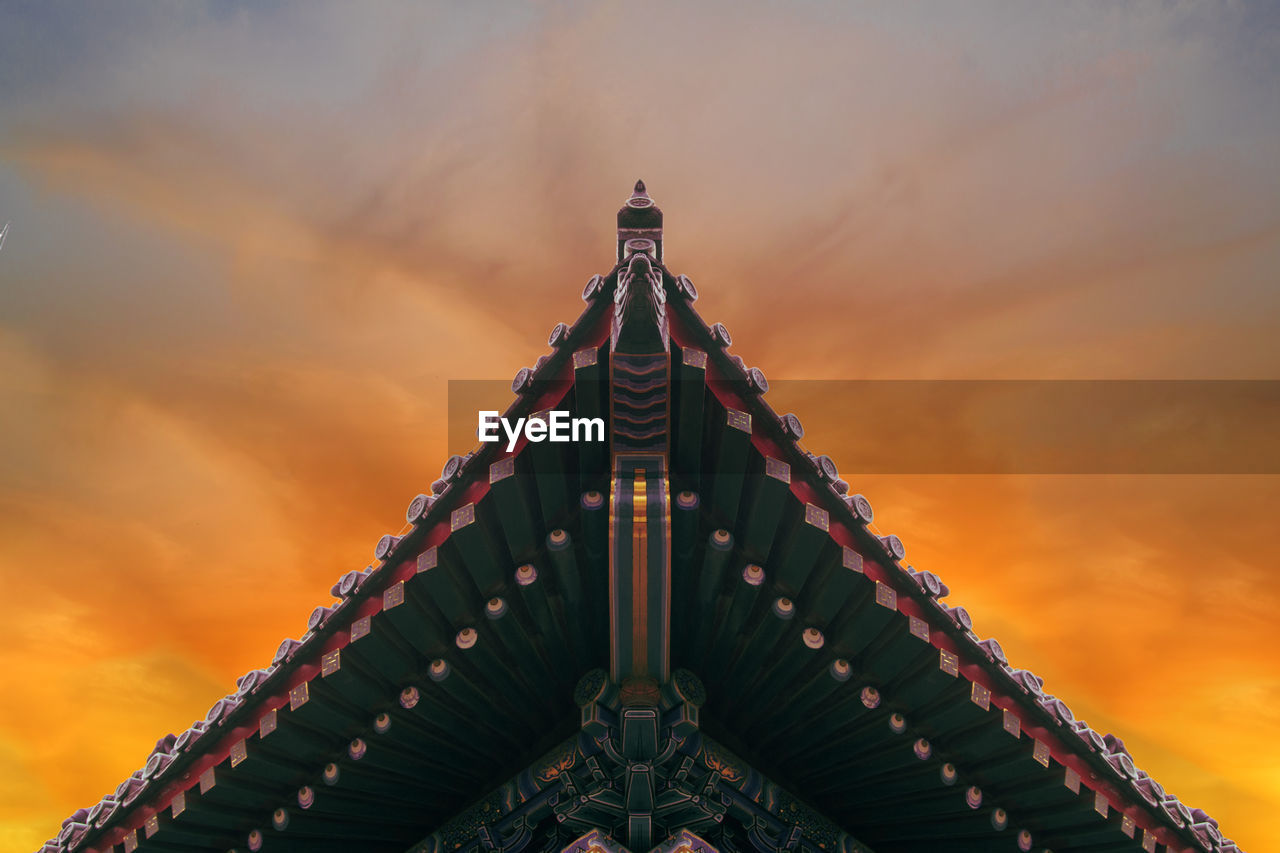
[233,299]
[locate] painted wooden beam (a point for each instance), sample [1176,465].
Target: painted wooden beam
[640,569]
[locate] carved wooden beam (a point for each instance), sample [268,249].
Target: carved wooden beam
[532,589]
[799,648]
[471,700]
[594,521]
[724,631]
[374,648]
[410,607]
[511,488]
[332,802]
[590,400]
[640,570]
[416,727]
[761,643]
[858,625]
[685,515]
[838,581]
[730,441]
[689,392]
[806,534]
[548,462]
[818,689]
[476,538]
[768,487]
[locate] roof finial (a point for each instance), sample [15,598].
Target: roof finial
[640,219]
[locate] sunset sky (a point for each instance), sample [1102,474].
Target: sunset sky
[251,244]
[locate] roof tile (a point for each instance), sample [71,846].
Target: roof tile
[1122,764]
[191,735]
[1029,681]
[1088,735]
[993,649]
[157,764]
[959,615]
[130,788]
[1114,744]
[222,708]
[99,807]
[318,617]
[246,683]
[893,547]
[286,650]
[1148,788]
[861,508]
[351,581]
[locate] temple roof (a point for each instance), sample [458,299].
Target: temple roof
[448,666]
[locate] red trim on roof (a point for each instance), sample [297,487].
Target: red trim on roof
[724,388]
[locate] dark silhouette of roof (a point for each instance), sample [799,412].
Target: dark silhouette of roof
[826,690]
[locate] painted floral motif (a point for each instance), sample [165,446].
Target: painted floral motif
[562,762]
[721,764]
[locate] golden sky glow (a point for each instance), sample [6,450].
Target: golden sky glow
[250,248]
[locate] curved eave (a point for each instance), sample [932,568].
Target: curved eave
[141,813]
[300,694]
[1067,747]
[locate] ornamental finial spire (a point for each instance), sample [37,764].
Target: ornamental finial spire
[640,225]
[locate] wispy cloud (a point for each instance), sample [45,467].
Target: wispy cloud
[258,241]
